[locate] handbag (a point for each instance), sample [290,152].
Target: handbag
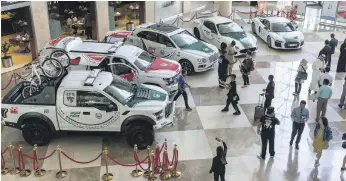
[302,75]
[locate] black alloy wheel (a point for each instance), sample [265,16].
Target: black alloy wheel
[36,132]
[187,66]
[196,33]
[141,135]
[269,42]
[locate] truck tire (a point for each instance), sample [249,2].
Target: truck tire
[140,134]
[36,132]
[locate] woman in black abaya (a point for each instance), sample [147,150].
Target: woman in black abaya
[342,58]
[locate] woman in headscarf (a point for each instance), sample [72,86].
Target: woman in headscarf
[317,68]
[223,67]
[342,58]
[303,66]
[219,162]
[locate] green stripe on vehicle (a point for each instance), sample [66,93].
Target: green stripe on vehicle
[199,46]
[153,96]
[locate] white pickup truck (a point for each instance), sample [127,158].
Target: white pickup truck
[89,101]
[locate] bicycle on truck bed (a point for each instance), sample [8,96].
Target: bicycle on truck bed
[51,68]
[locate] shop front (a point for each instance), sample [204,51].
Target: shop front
[125,15]
[17,40]
[72,18]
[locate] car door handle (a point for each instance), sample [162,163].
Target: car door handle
[86,113]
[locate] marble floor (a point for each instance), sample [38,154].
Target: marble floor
[195,131]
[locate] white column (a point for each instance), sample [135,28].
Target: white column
[102,19]
[186,6]
[149,11]
[40,23]
[225,7]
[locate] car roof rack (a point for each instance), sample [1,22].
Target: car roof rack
[91,77]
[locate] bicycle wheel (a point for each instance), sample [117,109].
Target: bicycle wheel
[62,56]
[52,68]
[28,91]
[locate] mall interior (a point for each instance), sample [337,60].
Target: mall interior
[27,27]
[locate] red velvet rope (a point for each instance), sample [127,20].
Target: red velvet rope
[2,161]
[175,20]
[9,82]
[189,20]
[80,162]
[139,163]
[126,165]
[48,155]
[4,151]
[21,164]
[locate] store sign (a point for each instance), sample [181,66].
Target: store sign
[329,10]
[341,12]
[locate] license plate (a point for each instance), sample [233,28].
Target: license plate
[292,45]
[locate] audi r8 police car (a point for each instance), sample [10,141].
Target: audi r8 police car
[218,30]
[278,32]
[175,43]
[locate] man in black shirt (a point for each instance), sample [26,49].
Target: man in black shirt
[233,96]
[327,51]
[266,129]
[269,92]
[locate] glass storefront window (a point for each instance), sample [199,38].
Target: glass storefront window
[124,15]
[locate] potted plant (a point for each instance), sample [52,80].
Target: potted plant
[130,26]
[6,60]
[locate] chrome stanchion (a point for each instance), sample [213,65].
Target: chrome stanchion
[148,172]
[24,172]
[136,172]
[14,170]
[107,176]
[39,172]
[61,173]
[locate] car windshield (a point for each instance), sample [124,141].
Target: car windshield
[144,60]
[232,30]
[283,27]
[121,90]
[184,39]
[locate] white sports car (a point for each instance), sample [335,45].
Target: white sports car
[278,32]
[219,30]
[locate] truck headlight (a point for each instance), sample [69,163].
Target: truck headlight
[169,80]
[159,115]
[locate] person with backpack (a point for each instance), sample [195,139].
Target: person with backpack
[323,134]
[303,66]
[246,67]
[233,96]
[219,162]
[266,129]
[223,67]
[269,92]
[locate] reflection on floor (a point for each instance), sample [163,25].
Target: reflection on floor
[195,131]
[16,52]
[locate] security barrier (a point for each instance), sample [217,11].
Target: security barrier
[165,168]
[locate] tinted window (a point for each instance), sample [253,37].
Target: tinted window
[144,60]
[85,99]
[283,27]
[209,25]
[183,39]
[162,39]
[232,30]
[148,35]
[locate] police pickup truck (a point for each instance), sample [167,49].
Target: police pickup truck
[89,101]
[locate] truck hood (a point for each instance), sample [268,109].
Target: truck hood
[148,95]
[163,68]
[200,48]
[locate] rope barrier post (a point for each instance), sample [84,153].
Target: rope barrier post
[61,173]
[4,170]
[39,172]
[249,22]
[151,175]
[107,176]
[148,172]
[23,172]
[158,168]
[136,172]
[176,173]
[165,174]
[14,170]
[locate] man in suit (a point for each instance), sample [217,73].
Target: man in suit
[333,43]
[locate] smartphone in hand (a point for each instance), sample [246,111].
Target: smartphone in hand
[218,139]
